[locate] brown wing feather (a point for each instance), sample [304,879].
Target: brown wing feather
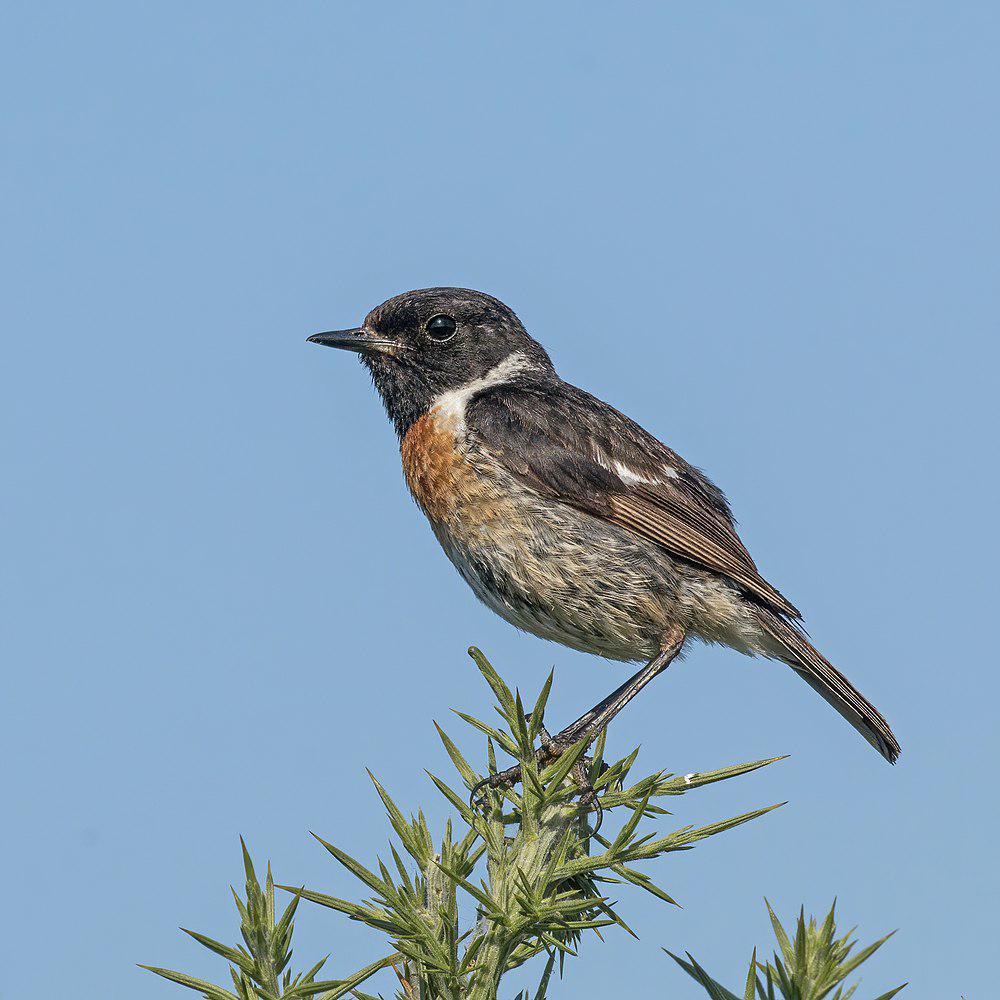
[568,444]
[678,503]
[659,524]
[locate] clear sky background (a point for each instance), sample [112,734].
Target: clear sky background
[766,231]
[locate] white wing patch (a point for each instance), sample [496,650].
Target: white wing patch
[628,475]
[452,403]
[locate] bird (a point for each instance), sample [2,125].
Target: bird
[563,515]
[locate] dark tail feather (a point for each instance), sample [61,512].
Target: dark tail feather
[823,677]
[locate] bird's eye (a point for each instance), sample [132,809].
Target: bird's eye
[440,328]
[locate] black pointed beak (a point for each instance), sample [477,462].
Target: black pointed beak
[358,339]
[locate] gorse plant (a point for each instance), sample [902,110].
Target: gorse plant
[259,966]
[813,966]
[528,862]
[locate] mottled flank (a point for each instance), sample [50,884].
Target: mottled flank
[557,572]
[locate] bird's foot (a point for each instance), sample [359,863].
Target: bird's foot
[551,749]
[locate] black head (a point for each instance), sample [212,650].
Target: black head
[421,344]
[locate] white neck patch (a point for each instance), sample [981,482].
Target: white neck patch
[452,403]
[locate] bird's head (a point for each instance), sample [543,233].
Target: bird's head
[423,344]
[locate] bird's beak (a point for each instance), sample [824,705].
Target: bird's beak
[358,339]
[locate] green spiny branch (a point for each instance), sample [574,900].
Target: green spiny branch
[527,860]
[812,966]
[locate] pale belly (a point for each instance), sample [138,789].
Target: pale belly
[557,572]
[565,584]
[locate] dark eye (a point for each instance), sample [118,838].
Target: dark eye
[440,328]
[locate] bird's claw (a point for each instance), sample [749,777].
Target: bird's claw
[550,750]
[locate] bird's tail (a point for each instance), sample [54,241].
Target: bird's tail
[796,650]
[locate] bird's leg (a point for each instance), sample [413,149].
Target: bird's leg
[591,723]
[600,716]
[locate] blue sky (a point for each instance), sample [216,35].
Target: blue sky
[768,232]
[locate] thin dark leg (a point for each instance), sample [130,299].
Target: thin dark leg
[591,723]
[600,716]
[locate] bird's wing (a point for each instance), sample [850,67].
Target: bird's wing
[573,448]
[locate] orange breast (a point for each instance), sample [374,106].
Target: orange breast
[433,464]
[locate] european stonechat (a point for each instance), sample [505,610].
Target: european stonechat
[564,516]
